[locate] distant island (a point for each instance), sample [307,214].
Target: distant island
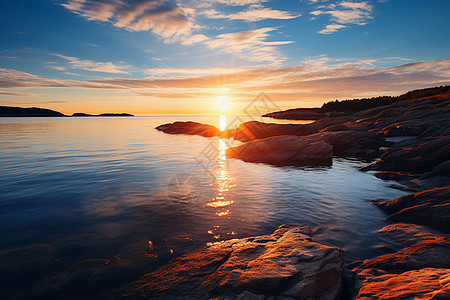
[11,111]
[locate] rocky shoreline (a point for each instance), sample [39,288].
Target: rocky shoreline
[410,135]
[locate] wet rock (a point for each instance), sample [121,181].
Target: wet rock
[285,150]
[286,263]
[191,128]
[431,208]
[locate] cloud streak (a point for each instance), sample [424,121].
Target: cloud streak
[163,18]
[250,44]
[17,94]
[89,65]
[253,14]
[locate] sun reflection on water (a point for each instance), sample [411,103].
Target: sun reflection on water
[223,178]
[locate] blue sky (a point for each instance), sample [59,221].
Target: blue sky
[176,57]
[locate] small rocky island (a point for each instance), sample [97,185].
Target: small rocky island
[407,136]
[102,115]
[11,111]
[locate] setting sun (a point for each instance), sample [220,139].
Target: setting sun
[223,103]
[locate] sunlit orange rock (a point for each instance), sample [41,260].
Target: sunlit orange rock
[286,263]
[408,234]
[427,283]
[419,271]
[191,128]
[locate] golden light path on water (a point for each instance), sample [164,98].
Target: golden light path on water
[223,179]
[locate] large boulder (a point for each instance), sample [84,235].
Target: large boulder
[286,263]
[191,128]
[285,150]
[431,207]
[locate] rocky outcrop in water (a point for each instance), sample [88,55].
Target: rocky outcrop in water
[421,270]
[284,265]
[285,150]
[430,207]
[191,128]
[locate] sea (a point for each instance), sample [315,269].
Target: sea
[90,204]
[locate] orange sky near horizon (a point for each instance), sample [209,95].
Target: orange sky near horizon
[285,91]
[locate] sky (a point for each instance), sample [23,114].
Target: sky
[158,57]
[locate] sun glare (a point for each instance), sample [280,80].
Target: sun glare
[223,103]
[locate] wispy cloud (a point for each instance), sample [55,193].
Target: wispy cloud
[55,67]
[345,12]
[164,18]
[89,65]
[331,28]
[13,93]
[194,39]
[252,14]
[11,79]
[250,44]
[192,72]
[239,2]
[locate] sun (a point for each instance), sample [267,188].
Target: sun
[223,103]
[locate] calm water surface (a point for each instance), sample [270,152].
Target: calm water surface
[77,189]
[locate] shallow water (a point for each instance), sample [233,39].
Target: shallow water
[103,188]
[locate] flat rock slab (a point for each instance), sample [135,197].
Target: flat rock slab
[284,265]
